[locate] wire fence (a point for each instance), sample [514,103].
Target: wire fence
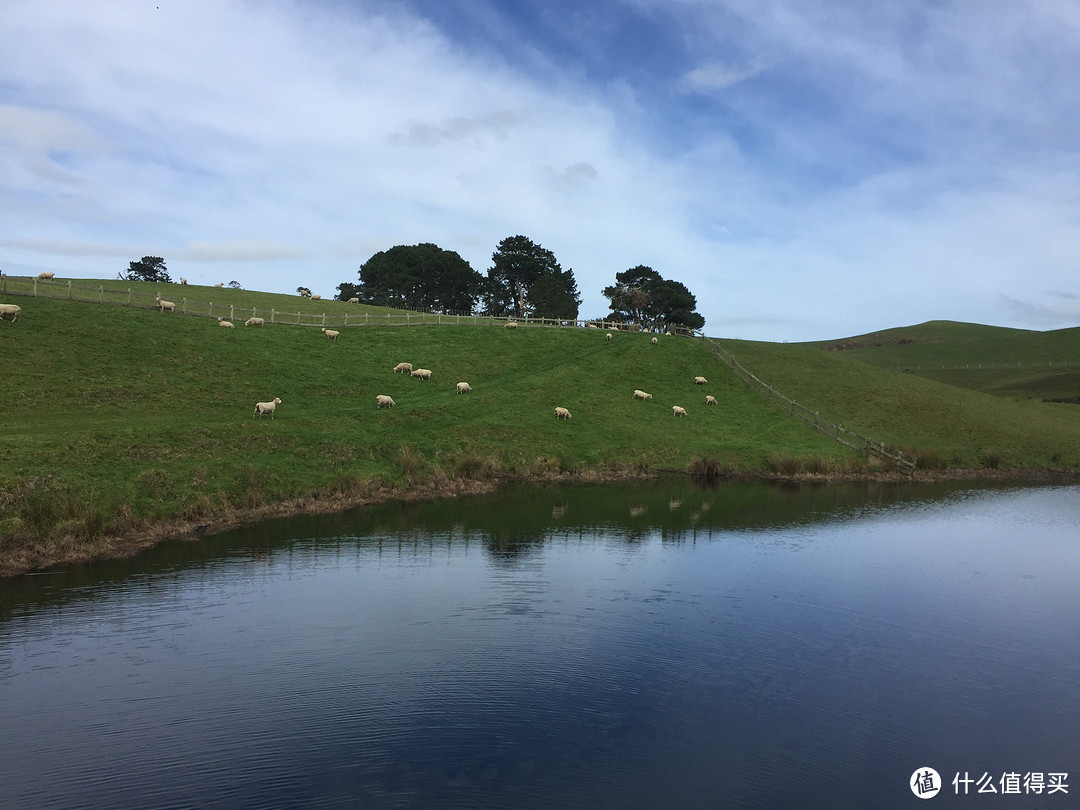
[338,317]
[903,461]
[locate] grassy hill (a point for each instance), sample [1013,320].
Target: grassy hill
[996,360]
[117,419]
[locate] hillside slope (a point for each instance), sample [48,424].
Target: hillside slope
[116,419]
[996,360]
[117,416]
[943,424]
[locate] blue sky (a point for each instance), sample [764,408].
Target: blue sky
[808,170]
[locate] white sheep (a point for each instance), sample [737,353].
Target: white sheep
[639,394]
[677,411]
[668,334]
[316,298]
[562,413]
[46,276]
[183,281]
[593,326]
[165,306]
[654,341]
[10,309]
[219,284]
[254,322]
[421,373]
[263,408]
[510,325]
[383,401]
[607,336]
[331,333]
[463,388]
[710,399]
[225,323]
[700,381]
[354,300]
[403,368]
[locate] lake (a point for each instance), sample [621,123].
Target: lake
[657,644]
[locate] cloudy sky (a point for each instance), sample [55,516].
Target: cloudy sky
[809,170]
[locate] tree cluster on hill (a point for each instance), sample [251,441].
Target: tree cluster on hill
[524,280]
[641,295]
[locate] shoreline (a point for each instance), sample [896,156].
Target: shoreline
[31,561]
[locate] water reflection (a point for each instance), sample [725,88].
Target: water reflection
[646,645]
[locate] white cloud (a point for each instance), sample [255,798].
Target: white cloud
[812,169]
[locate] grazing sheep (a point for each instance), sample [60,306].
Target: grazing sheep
[421,373]
[316,297]
[463,388]
[607,336]
[10,309]
[165,306]
[677,411]
[593,326]
[668,334]
[263,408]
[254,322]
[639,394]
[220,284]
[710,399]
[354,300]
[510,325]
[562,413]
[46,276]
[403,368]
[225,323]
[654,341]
[331,333]
[183,281]
[383,401]
[700,381]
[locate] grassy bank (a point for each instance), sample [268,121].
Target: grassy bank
[122,423]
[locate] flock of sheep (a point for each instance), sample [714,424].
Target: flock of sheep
[381,400]
[425,374]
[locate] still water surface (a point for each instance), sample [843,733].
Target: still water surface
[656,645]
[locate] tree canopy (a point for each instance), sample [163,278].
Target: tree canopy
[525,279]
[641,295]
[420,276]
[148,268]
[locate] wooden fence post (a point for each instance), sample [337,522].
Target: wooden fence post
[271,314]
[184,299]
[101,294]
[69,289]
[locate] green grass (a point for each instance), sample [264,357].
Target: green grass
[127,416]
[996,360]
[117,418]
[956,426]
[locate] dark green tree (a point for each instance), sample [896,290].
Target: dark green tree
[630,296]
[556,296]
[641,295]
[420,276]
[347,290]
[674,305]
[517,265]
[148,268]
